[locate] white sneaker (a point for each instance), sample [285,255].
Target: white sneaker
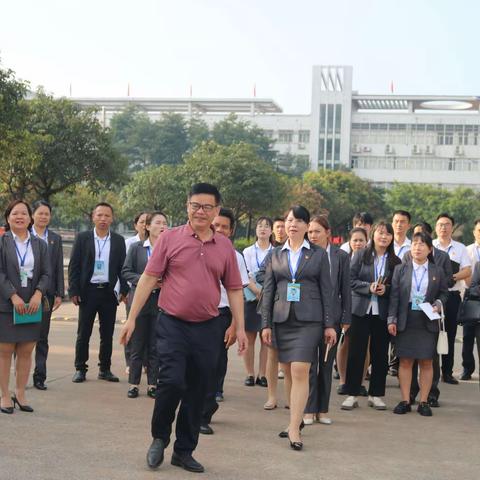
[377,403]
[281,374]
[325,420]
[349,403]
[308,421]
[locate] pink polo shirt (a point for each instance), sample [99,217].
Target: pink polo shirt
[191,272]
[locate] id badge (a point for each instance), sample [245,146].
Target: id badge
[293,292]
[417,300]
[23,278]
[99,266]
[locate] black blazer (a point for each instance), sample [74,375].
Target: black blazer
[361,276]
[313,274]
[10,271]
[56,284]
[475,283]
[82,258]
[400,293]
[340,276]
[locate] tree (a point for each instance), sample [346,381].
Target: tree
[345,194]
[231,131]
[198,131]
[73,147]
[311,199]
[172,139]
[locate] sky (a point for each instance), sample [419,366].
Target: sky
[222,48]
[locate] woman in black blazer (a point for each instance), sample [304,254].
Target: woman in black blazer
[371,274]
[418,280]
[296,311]
[321,371]
[24,280]
[42,214]
[142,343]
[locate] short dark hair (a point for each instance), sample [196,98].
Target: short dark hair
[404,213]
[205,188]
[358,230]
[11,206]
[446,215]
[227,213]
[476,222]
[103,204]
[279,219]
[362,217]
[425,226]
[137,217]
[427,240]
[300,213]
[41,203]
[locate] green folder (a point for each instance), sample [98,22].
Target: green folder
[26,318]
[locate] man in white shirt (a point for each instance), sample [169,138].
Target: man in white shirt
[223,223]
[468,359]
[401,224]
[461,267]
[363,220]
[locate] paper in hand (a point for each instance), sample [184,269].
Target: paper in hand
[427,308]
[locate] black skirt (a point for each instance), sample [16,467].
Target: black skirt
[253,320]
[416,341]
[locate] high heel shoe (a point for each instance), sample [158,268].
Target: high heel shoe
[8,410]
[295,445]
[284,433]
[23,408]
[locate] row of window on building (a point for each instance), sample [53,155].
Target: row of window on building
[414,163]
[288,136]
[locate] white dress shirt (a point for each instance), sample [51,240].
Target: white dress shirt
[130,241]
[379,264]
[474,253]
[24,252]
[254,257]
[294,257]
[243,275]
[44,237]
[401,250]
[346,247]
[458,253]
[102,252]
[419,280]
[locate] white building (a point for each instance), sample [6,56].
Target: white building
[383,138]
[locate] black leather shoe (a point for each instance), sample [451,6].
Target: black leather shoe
[262,381]
[465,376]
[342,389]
[23,408]
[450,379]
[155,453]
[152,392]
[284,433]
[424,409]
[79,377]
[39,384]
[8,410]
[108,376]
[296,445]
[433,402]
[206,429]
[132,392]
[402,408]
[250,381]
[187,462]
[363,392]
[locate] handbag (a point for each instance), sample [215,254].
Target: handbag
[469,311]
[442,342]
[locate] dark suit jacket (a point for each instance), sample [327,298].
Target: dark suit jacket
[361,276]
[441,259]
[82,258]
[313,274]
[56,284]
[10,271]
[400,293]
[340,276]
[475,283]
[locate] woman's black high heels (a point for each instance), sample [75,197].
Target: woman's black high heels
[23,408]
[284,433]
[297,446]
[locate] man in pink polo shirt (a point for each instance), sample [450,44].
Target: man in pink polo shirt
[191,260]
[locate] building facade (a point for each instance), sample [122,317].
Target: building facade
[382,138]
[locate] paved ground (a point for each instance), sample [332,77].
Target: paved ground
[93,431]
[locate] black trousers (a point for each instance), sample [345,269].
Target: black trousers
[188,355]
[434,390]
[451,312]
[142,343]
[468,359]
[360,329]
[320,380]
[211,405]
[41,349]
[103,302]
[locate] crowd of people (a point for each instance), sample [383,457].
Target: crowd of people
[355,312]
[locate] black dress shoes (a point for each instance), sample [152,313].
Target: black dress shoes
[132,392]
[108,376]
[187,462]
[23,408]
[363,392]
[342,389]
[39,384]
[250,381]
[402,408]
[262,381]
[152,392]
[284,433]
[424,409]
[466,376]
[296,445]
[206,429]
[450,379]
[433,402]
[8,410]
[155,453]
[79,377]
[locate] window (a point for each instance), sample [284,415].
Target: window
[338,118]
[303,136]
[330,118]
[268,133]
[285,136]
[337,150]
[323,109]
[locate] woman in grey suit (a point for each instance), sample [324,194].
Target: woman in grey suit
[296,311]
[24,273]
[321,370]
[415,282]
[142,342]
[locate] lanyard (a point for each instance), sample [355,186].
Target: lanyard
[448,249]
[417,284]
[290,266]
[100,249]
[400,251]
[44,237]
[382,267]
[149,252]
[20,258]
[256,254]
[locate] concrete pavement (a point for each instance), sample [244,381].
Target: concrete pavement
[93,431]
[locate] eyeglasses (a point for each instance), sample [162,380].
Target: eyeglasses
[444,225]
[207,208]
